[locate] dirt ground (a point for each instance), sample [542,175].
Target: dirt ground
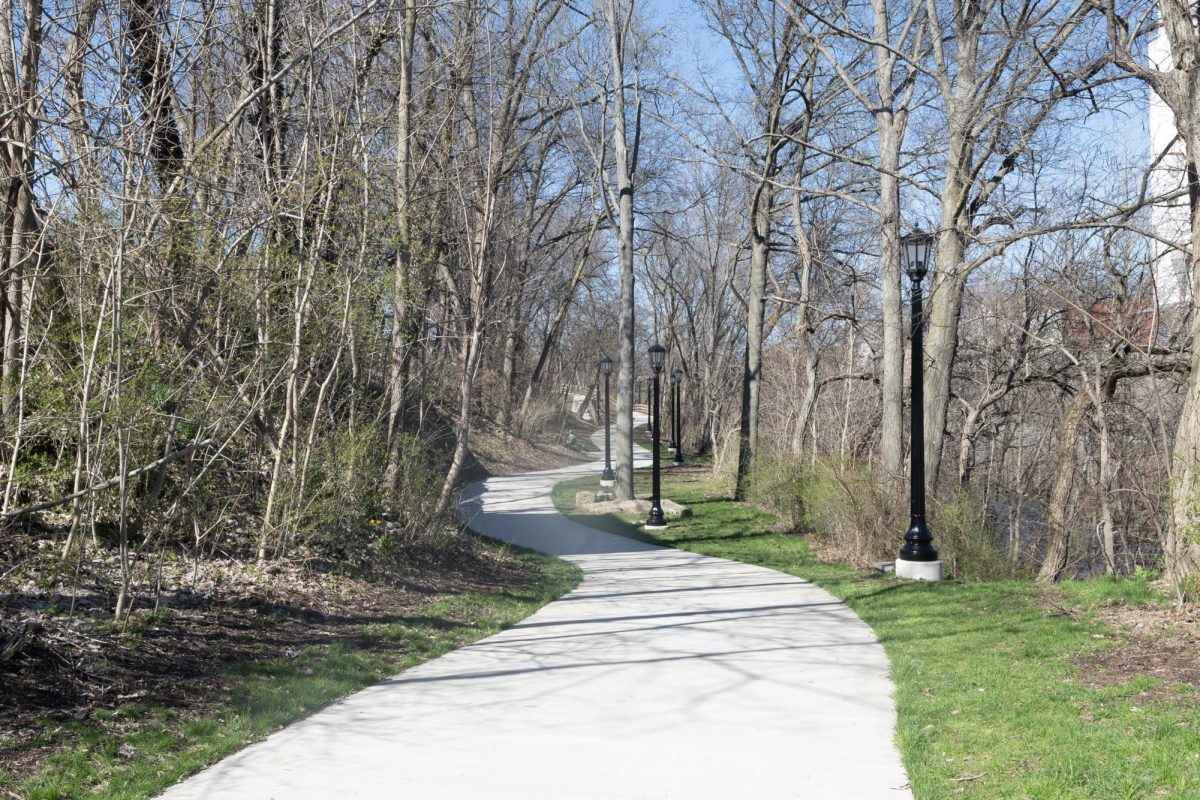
[498,452]
[1157,642]
[66,664]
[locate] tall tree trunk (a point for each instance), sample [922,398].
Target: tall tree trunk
[1106,484]
[748,438]
[626,162]
[1179,87]
[18,249]
[402,300]
[805,331]
[1181,543]
[890,127]
[941,344]
[891,379]
[508,366]
[470,360]
[18,85]
[1058,540]
[152,68]
[950,279]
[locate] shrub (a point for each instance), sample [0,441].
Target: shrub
[537,416]
[725,456]
[418,485]
[346,490]
[853,515]
[780,483]
[968,541]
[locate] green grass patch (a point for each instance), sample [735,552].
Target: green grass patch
[110,757]
[989,699]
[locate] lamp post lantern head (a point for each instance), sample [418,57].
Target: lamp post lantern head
[657,354]
[606,366]
[677,376]
[918,252]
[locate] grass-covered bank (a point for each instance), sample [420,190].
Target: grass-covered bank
[140,747]
[995,692]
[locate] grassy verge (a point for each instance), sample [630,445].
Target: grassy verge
[169,744]
[990,701]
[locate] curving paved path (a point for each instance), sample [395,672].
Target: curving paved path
[665,674]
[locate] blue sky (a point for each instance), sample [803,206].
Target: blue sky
[694,46]
[695,49]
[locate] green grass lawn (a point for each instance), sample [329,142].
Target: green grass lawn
[989,700]
[170,744]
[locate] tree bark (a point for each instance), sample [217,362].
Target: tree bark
[890,127]
[1179,88]
[1181,544]
[1058,541]
[402,300]
[805,331]
[748,439]
[941,344]
[18,222]
[626,162]
[508,364]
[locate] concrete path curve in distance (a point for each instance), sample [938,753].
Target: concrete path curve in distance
[664,674]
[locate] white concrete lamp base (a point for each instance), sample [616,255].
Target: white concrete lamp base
[655,527]
[607,484]
[919,570]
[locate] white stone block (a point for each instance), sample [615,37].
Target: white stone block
[919,570]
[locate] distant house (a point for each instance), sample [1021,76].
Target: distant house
[1111,323]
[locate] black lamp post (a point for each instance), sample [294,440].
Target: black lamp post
[607,478]
[918,558]
[675,409]
[649,406]
[656,521]
[676,405]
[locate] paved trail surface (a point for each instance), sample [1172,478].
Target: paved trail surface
[663,675]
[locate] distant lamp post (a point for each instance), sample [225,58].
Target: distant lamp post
[918,558]
[607,478]
[674,379]
[656,521]
[676,406]
[649,406]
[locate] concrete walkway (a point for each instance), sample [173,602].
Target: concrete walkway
[663,675]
